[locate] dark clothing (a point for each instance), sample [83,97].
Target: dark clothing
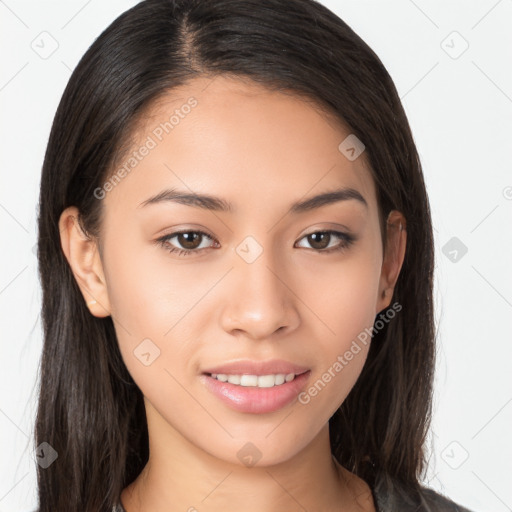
[390,497]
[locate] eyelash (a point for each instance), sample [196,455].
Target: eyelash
[347,241]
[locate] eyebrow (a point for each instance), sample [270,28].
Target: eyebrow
[218,204]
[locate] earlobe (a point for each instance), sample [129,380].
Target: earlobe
[393,258]
[84,260]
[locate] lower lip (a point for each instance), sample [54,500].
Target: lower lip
[256,400]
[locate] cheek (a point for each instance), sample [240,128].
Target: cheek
[159,305]
[342,353]
[148,294]
[342,294]
[345,304]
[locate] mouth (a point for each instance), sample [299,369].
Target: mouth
[256,394]
[259,381]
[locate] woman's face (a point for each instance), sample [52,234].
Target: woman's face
[258,285]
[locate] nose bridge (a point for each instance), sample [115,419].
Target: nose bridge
[261,302]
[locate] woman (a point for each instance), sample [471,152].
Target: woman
[236,257]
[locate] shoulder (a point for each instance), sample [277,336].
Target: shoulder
[441,503]
[393,496]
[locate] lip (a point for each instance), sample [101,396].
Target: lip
[248,367]
[251,399]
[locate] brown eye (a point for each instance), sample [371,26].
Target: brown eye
[321,241]
[185,242]
[189,240]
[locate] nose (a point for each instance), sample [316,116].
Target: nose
[259,300]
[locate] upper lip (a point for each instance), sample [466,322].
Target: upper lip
[247,367]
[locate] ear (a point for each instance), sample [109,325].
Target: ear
[83,257]
[396,238]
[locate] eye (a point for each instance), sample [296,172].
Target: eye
[191,241]
[321,240]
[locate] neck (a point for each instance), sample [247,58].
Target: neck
[181,476]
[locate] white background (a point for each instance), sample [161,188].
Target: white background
[460,110]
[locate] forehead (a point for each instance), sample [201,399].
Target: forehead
[238,139]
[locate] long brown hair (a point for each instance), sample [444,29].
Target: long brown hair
[90,410]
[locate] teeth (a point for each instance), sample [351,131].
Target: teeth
[249,380]
[234,379]
[260,381]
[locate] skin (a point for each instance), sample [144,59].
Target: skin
[261,151]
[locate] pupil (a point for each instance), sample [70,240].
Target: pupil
[187,239]
[317,236]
